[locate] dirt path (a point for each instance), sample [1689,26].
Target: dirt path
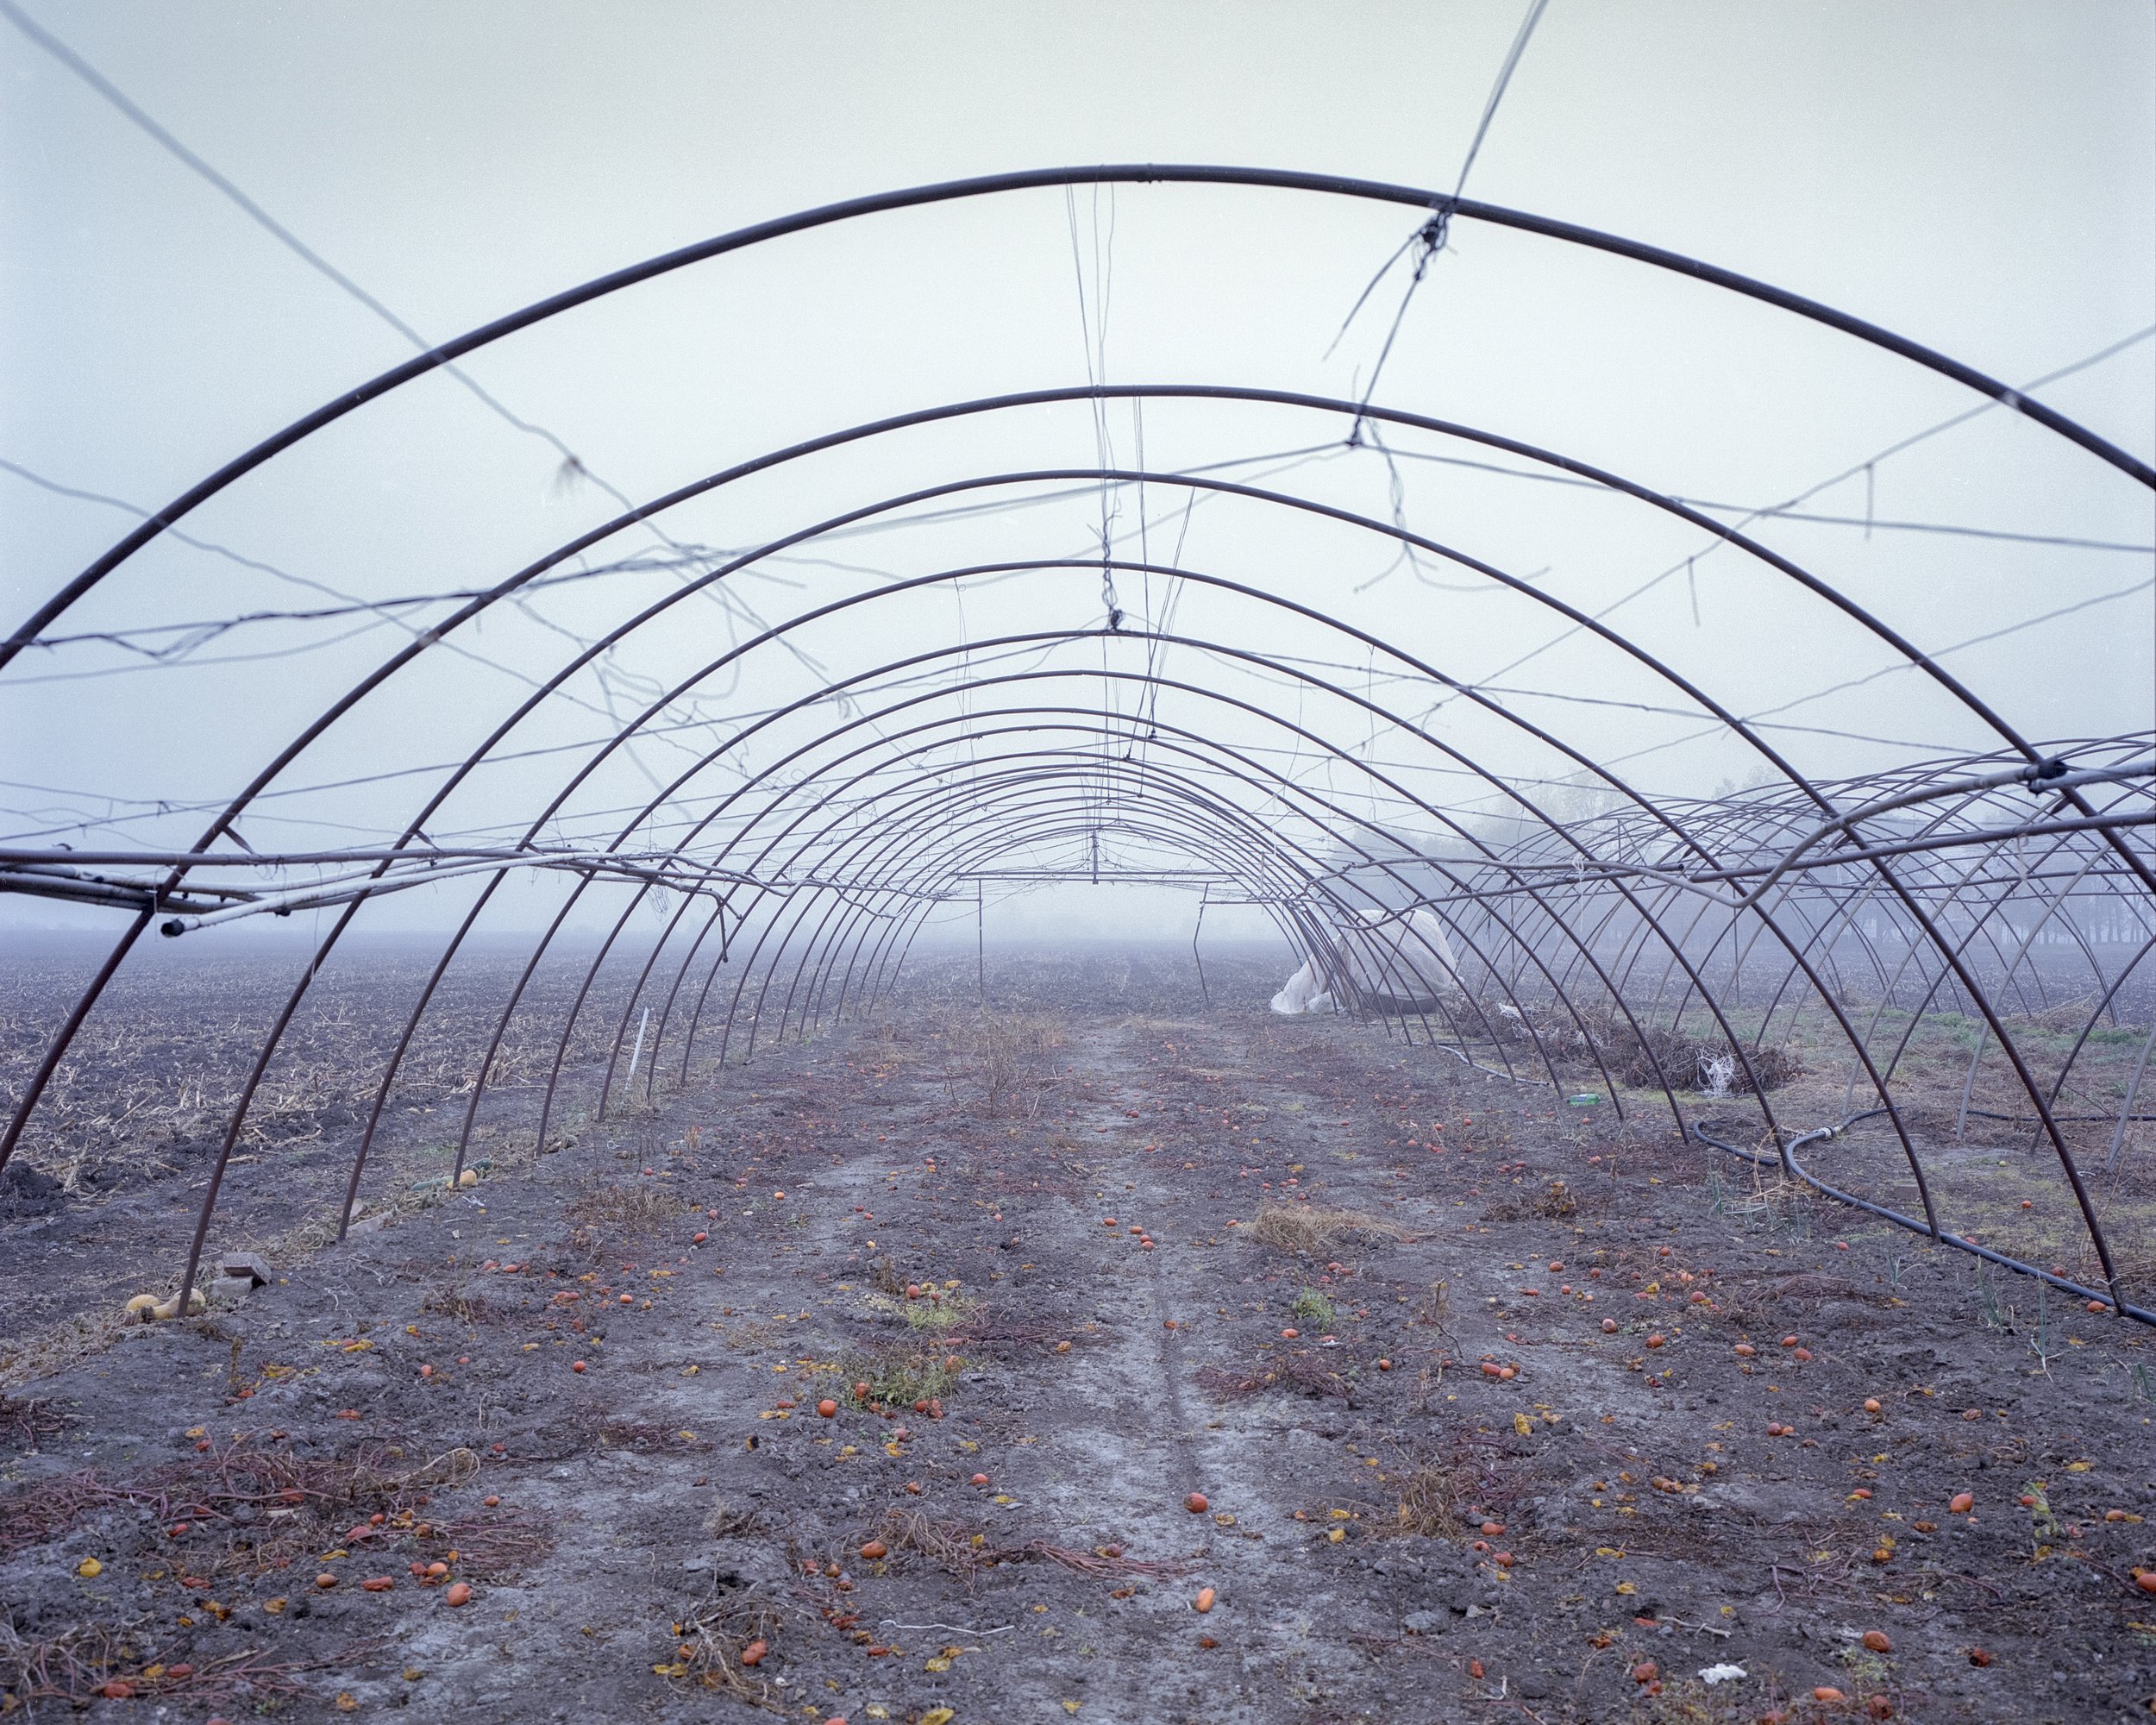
[631,1529]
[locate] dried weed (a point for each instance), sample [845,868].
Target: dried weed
[1307,1228]
[898,1376]
[631,1209]
[712,1639]
[1554,1203]
[1299,1374]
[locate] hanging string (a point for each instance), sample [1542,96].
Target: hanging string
[1429,240]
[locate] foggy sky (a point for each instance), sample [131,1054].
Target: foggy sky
[1980,178]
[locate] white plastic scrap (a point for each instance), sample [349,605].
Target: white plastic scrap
[1302,993]
[1711,1675]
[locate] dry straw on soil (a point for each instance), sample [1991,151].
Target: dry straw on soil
[1554,1203]
[713,1637]
[629,1209]
[948,1545]
[74,1667]
[1297,1374]
[1431,1504]
[1307,1228]
[963,1554]
[1443,1499]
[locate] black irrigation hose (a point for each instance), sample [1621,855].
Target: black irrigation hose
[2094,1296]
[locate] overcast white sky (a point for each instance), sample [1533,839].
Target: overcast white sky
[1977,175]
[1981,178]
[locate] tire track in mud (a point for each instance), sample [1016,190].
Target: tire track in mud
[1280,1623]
[1285,1620]
[1119,1456]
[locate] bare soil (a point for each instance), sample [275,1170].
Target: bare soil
[1059,1265]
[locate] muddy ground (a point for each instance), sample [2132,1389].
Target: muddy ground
[1058,1267]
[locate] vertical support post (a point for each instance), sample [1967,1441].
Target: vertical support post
[980,943]
[1197,928]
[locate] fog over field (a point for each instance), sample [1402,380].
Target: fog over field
[1255,863]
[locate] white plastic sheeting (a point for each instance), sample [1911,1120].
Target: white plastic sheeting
[1398,956]
[1302,993]
[1430,936]
[1409,955]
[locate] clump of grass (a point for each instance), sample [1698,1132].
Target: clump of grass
[1431,1504]
[963,1554]
[940,1309]
[1441,1498]
[712,1640]
[1647,1055]
[899,1377]
[1480,1132]
[1552,1204]
[2043,1525]
[935,1309]
[1309,1228]
[72,1667]
[455,1300]
[948,1545]
[1314,1307]
[888,1279]
[992,1334]
[633,1208]
[310,1496]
